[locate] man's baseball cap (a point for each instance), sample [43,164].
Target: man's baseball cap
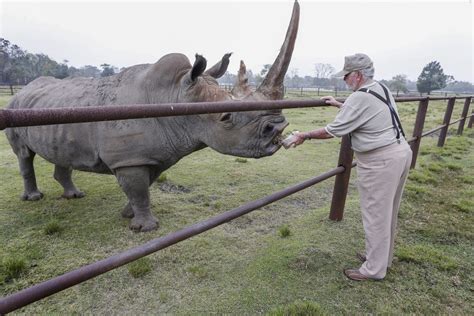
[354,63]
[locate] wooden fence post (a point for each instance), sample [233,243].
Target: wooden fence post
[471,120]
[465,110]
[418,130]
[341,184]
[447,119]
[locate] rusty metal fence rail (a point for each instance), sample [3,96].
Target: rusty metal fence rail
[18,118]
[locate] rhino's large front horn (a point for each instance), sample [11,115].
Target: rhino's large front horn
[272,85]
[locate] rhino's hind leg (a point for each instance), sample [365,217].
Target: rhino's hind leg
[27,171]
[63,176]
[135,181]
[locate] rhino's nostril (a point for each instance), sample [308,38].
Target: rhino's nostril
[268,129]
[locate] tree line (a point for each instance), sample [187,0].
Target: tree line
[431,78]
[19,67]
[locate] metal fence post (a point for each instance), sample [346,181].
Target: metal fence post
[418,130]
[341,184]
[447,119]
[465,110]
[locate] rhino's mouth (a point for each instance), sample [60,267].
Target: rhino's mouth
[277,140]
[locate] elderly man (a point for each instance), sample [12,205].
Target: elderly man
[369,116]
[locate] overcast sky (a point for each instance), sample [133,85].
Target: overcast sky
[400,36]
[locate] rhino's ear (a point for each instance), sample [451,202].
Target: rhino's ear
[198,68]
[219,69]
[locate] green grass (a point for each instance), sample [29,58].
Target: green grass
[53,227]
[11,268]
[4,100]
[245,266]
[162,178]
[241,160]
[298,308]
[284,231]
[140,267]
[465,206]
[426,255]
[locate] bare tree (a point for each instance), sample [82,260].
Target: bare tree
[294,72]
[323,70]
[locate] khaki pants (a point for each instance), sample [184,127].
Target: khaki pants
[381,175]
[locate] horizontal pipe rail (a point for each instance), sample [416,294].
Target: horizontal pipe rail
[433,130]
[47,288]
[440,127]
[458,120]
[48,116]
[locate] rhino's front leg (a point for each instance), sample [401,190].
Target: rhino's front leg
[135,181]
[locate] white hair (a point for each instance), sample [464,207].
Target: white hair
[368,72]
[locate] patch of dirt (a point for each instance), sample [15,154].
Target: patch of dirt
[241,222]
[173,188]
[311,259]
[270,217]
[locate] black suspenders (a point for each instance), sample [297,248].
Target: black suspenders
[393,114]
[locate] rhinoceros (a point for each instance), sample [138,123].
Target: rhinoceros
[137,151]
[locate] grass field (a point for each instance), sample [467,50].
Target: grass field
[284,258]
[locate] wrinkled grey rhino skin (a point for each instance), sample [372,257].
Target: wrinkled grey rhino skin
[136,151]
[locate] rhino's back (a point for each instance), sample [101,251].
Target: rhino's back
[68,145]
[49,92]
[96,147]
